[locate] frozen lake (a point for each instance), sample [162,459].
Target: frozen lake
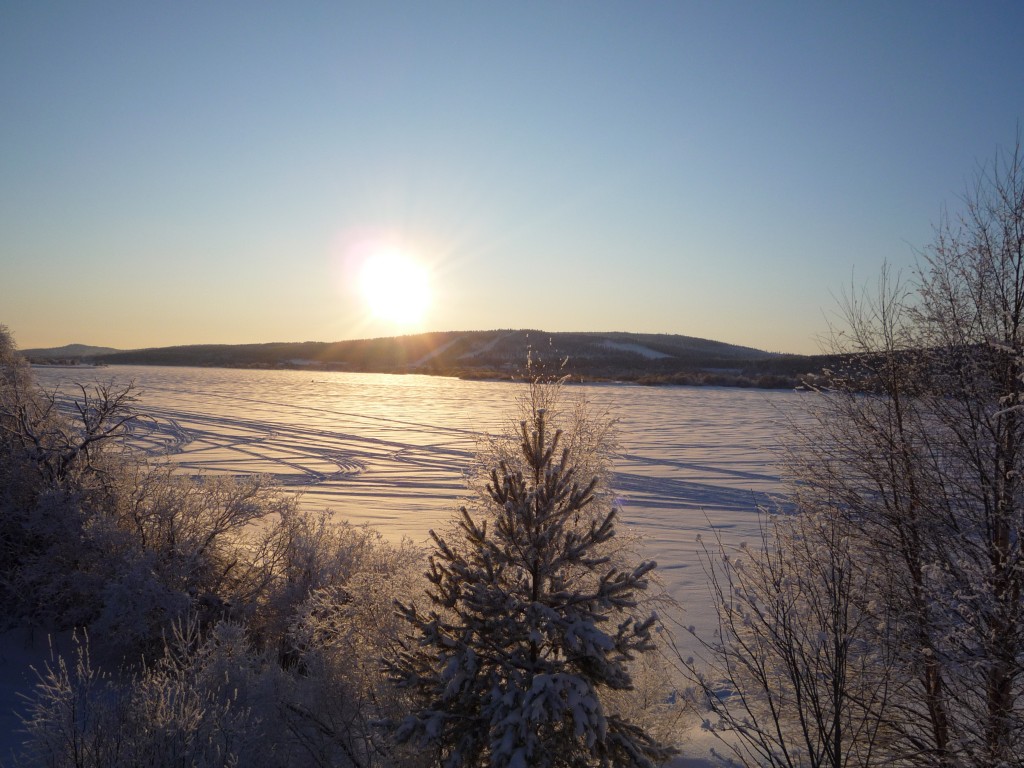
[392,451]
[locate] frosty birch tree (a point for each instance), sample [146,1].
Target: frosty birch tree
[921,442]
[875,452]
[972,307]
[915,459]
[529,625]
[792,677]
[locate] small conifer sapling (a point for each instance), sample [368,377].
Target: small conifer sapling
[529,625]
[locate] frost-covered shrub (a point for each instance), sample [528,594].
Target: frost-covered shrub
[337,637]
[92,536]
[75,717]
[311,552]
[202,705]
[192,546]
[153,548]
[219,694]
[15,388]
[58,469]
[41,583]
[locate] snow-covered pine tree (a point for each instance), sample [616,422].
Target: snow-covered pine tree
[529,626]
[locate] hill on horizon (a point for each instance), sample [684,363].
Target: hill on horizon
[68,351]
[501,354]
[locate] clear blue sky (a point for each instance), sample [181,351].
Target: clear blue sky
[190,172]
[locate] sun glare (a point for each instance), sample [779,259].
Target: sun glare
[396,287]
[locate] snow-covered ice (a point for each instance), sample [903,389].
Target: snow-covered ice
[392,451]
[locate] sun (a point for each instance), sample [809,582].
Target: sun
[396,287]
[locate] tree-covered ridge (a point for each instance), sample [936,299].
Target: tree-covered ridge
[646,358]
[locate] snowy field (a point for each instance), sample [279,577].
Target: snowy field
[392,451]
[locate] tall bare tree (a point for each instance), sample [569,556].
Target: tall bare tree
[915,453]
[924,445]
